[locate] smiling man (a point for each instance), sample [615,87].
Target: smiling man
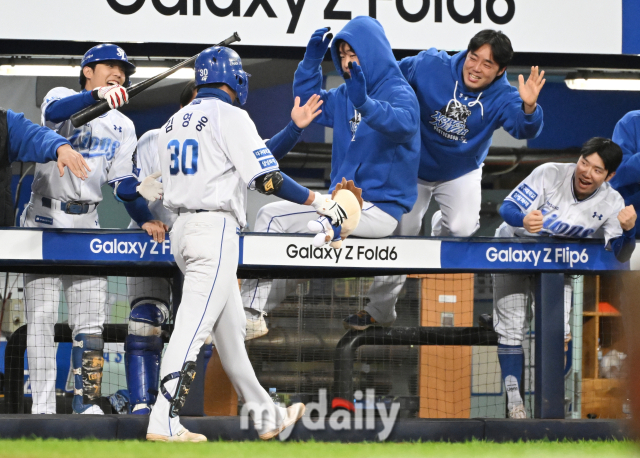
[108,144]
[463,99]
[557,200]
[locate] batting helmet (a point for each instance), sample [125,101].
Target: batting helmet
[222,65]
[106,52]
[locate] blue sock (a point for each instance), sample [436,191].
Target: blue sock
[511,359]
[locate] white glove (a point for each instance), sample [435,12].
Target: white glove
[150,188]
[115,95]
[329,208]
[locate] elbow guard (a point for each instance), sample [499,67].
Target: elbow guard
[269,183]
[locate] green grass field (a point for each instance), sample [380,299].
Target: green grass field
[54,448]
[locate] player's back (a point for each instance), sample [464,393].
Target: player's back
[208,156]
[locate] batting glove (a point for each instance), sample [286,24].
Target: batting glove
[115,95]
[329,208]
[150,188]
[318,45]
[356,85]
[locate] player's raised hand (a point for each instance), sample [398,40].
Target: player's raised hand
[324,205]
[533,221]
[356,85]
[627,217]
[67,157]
[156,229]
[530,90]
[318,44]
[303,115]
[115,95]
[150,188]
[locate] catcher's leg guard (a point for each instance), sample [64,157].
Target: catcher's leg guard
[142,366]
[143,349]
[88,361]
[185,377]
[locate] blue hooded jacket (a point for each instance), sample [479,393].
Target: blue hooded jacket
[376,145]
[456,123]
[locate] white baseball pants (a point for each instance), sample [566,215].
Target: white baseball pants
[512,294]
[206,247]
[290,218]
[86,298]
[459,202]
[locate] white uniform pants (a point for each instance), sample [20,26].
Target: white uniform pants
[290,218]
[206,247]
[86,298]
[459,202]
[512,294]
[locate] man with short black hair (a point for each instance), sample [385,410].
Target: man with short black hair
[557,200]
[463,99]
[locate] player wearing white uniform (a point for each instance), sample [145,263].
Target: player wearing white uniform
[150,296]
[557,200]
[210,153]
[107,143]
[464,99]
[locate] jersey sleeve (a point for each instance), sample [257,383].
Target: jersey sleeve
[529,195]
[626,134]
[516,122]
[145,159]
[29,142]
[122,164]
[52,96]
[244,147]
[611,227]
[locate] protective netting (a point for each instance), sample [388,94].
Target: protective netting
[439,358]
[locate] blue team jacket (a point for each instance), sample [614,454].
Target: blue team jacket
[376,145]
[29,142]
[456,123]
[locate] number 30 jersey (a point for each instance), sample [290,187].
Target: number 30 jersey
[210,153]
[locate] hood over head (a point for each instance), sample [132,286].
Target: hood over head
[366,37]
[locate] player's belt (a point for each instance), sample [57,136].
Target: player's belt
[181,211]
[71,208]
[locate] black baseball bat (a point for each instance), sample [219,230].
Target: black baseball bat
[98,109]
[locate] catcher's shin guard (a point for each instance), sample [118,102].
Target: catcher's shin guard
[88,361]
[185,377]
[142,366]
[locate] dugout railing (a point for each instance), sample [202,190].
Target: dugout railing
[266,255]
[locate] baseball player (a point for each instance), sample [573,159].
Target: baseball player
[107,144]
[463,99]
[150,297]
[557,200]
[376,143]
[23,141]
[212,154]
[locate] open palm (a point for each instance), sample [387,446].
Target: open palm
[530,90]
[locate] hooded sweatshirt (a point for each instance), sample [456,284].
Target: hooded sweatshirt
[456,123]
[377,145]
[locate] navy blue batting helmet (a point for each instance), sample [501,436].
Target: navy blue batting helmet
[222,65]
[106,52]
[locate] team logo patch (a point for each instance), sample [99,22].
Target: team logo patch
[134,160]
[121,54]
[265,163]
[451,121]
[354,123]
[44,220]
[527,191]
[262,153]
[522,200]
